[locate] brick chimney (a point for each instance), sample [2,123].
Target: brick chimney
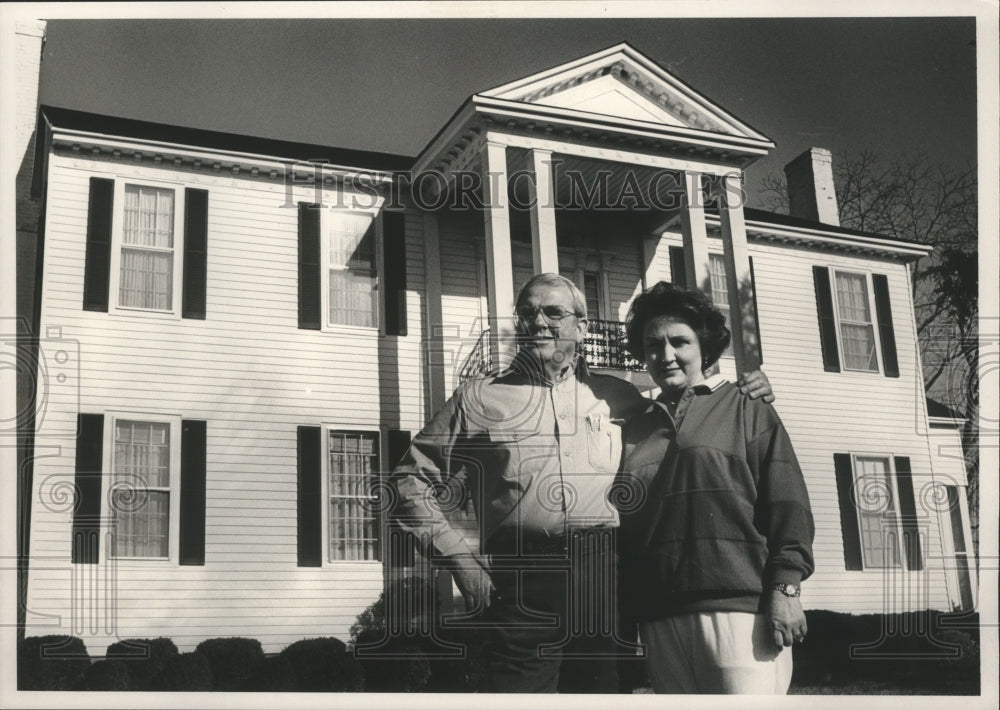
[811,192]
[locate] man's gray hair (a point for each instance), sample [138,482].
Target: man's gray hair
[553,281]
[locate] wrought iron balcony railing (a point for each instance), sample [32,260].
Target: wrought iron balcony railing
[603,346]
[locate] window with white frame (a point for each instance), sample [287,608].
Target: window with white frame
[717,276]
[854,321]
[145,473]
[720,290]
[878,512]
[351,247]
[147,247]
[352,471]
[592,292]
[589,278]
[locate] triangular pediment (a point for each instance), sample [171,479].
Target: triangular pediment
[622,83]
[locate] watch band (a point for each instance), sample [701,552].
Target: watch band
[789,590]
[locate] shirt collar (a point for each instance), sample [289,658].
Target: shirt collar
[707,386]
[527,366]
[711,383]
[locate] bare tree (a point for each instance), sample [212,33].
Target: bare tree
[914,200]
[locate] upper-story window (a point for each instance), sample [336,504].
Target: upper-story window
[147,256]
[352,269]
[146,250]
[854,317]
[855,321]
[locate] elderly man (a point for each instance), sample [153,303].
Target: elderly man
[539,444]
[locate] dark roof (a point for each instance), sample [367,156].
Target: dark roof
[146,130]
[936,409]
[784,220]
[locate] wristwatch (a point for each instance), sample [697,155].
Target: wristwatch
[789,590]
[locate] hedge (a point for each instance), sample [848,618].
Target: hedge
[188,672]
[324,665]
[51,663]
[232,661]
[273,674]
[143,659]
[915,648]
[107,675]
[391,673]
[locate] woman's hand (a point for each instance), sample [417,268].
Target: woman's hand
[755,384]
[786,618]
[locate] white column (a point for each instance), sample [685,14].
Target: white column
[742,312]
[433,316]
[499,264]
[695,235]
[544,251]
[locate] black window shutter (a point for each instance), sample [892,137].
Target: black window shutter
[756,323]
[397,443]
[192,513]
[394,259]
[908,514]
[86,543]
[97,264]
[848,511]
[678,271]
[887,336]
[309,267]
[195,252]
[310,501]
[827,324]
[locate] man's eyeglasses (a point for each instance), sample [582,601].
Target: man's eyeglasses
[550,313]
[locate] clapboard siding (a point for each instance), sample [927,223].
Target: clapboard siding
[463,319]
[849,412]
[253,376]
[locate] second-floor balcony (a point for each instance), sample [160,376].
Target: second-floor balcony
[604,347]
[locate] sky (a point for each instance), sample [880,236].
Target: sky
[897,86]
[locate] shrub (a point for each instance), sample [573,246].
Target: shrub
[466,674]
[51,663]
[416,593]
[904,648]
[324,665]
[443,673]
[106,675]
[232,660]
[273,674]
[396,675]
[143,658]
[184,672]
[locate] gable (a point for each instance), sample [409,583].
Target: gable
[622,83]
[609,96]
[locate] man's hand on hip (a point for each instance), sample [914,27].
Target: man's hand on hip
[473,580]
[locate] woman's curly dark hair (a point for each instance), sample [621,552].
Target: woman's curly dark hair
[691,307]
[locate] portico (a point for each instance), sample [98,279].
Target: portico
[611,141]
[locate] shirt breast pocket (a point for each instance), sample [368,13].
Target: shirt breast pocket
[512,450]
[604,444]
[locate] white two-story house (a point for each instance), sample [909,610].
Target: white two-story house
[239,336]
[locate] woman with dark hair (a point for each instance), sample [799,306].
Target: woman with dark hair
[716,530]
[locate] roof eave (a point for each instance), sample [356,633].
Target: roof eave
[167,149]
